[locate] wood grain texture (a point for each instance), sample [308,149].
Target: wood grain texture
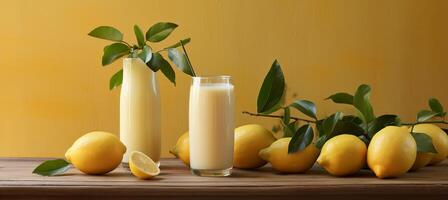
[175,181]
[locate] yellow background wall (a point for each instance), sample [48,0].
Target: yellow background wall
[53,88]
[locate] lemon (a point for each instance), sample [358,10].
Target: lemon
[439,139]
[391,152]
[277,155]
[142,166]
[249,140]
[96,152]
[423,159]
[343,155]
[182,148]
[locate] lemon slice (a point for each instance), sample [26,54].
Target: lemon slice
[142,166]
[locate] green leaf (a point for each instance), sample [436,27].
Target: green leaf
[168,71]
[327,128]
[146,54]
[272,90]
[425,115]
[286,115]
[306,107]
[329,124]
[382,121]
[319,126]
[139,35]
[289,129]
[107,33]
[181,61]
[178,44]
[352,118]
[321,141]
[301,139]
[156,62]
[116,80]
[114,52]
[424,143]
[52,167]
[361,101]
[364,139]
[435,106]
[160,31]
[341,97]
[347,127]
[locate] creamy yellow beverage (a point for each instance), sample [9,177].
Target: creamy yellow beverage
[140,110]
[211,126]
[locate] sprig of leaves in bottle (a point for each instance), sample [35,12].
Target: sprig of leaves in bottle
[363,125]
[152,58]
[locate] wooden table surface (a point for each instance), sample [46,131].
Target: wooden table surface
[176,182]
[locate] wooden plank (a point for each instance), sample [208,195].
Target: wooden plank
[16,180]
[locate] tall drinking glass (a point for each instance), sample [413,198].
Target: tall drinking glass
[211,124]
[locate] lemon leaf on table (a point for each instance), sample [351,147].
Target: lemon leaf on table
[52,167]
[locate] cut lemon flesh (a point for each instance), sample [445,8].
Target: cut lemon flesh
[142,166]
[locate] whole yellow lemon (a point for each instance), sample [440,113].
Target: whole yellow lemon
[96,152]
[182,148]
[439,140]
[249,140]
[343,155]
[391,152]
[298,162]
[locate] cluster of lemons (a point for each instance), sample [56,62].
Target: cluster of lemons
[391,152]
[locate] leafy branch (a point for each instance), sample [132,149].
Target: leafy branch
[277,116]
[143,50]
[365,124]
[271,99]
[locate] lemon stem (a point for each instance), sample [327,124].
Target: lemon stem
[277,116]
[427,122]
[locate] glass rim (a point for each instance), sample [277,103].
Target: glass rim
[211,77]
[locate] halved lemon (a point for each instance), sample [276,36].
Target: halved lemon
[142,166]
